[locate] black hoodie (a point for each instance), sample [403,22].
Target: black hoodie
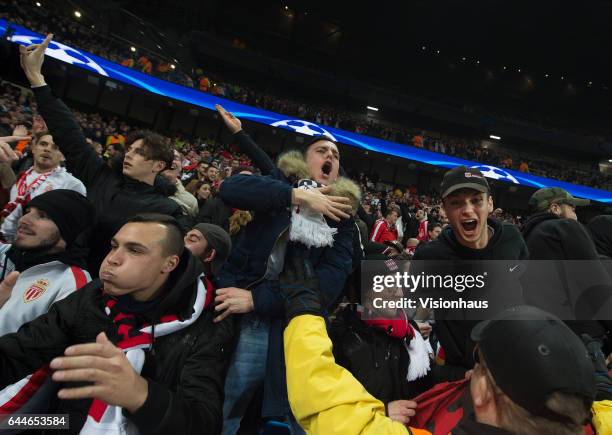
[600,228]
[549,237]
[506,244]
[185,370]
[569,289]
[454,335]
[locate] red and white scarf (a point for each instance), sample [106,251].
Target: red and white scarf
[103,418]
[413,342]
[25,190]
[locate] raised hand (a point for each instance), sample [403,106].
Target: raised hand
[32,58]
[20,130]
[7,155]
[232,123]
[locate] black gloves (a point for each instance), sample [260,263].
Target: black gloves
[300,287]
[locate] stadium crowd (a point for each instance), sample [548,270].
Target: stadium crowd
[157,285]
[73,33]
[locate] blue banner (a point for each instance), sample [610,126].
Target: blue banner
[106,68]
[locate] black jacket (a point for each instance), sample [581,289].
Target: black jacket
[549,237]
[600,228]
[215,211]
[506,244]
[116,197]
[185,373]
[380,362]
[454,335]
[566,287]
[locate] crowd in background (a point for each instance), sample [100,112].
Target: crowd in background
[227,279]
[73,33]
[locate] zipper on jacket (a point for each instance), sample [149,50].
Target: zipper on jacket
[257,281]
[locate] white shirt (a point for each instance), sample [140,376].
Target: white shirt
[36,289]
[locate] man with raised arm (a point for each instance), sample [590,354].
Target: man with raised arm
[117,197]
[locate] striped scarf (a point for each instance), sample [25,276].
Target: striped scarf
[135,336]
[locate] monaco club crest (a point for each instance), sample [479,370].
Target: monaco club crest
[36,290]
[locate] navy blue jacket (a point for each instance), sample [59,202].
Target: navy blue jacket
[269,197]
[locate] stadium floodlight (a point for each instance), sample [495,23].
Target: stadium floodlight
[38,4]
[77,14]
[172,66]
[372,108]
[133,49]
[492,136]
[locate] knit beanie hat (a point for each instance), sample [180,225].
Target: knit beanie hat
[69,210]
[218,239]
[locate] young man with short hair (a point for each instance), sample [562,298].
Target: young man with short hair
[250,276]
[50,266]
[385,230]
[134,351]
[116,197]
[433,230]
[44,175]
[470,235]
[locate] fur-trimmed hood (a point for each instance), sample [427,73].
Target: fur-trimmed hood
[294,167]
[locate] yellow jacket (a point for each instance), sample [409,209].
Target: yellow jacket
[324,397]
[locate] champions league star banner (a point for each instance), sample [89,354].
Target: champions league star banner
[106,68]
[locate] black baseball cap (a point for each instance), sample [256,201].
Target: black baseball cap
[531,354]
[462,177]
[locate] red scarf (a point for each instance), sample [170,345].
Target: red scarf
[396,328]
[24,190]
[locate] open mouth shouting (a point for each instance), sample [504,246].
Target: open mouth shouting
[470,227]
[326,169]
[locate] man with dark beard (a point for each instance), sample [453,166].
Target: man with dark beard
[43,265]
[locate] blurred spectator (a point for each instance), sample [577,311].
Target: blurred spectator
[384,229]
[45,174]
[49,264]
